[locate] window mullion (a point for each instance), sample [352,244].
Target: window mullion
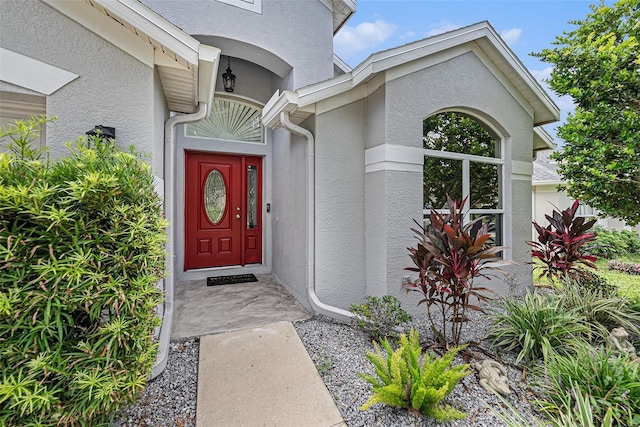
[466,187]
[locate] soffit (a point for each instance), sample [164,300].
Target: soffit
[178,75]
[175,53]
[342,11]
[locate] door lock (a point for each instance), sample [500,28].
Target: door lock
[238,216]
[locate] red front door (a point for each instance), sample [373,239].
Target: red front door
[223,221]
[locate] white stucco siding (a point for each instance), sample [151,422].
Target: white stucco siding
[464,83]
[289,212]
[340,205]
[298,32]
[252,80]
[114,89]
[376,208]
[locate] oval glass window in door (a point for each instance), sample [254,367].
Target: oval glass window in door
[215,196]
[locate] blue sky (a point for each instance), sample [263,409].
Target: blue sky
[525,25]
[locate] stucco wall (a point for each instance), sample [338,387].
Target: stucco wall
[340,205]
[252,80]
[289,212]
[114,89]
[298,32]
[463,82]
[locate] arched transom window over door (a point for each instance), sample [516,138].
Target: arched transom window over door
[463,159]
[231,118]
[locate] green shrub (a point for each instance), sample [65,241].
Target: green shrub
[599,309]
[378,317]
[405,379]
[535,326]
[614,243]
[578,413]
[81,252]
[611,383]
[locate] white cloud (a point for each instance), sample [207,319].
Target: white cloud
[408,35]
[511,36]
[366,35]
[442,27]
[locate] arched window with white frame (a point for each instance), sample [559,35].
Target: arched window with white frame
[463,159]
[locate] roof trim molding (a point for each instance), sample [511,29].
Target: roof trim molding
[542,140]
[29,73]
[187,68]
[480,35]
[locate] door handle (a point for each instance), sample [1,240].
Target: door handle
[238,216]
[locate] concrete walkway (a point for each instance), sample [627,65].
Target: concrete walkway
[203,310]
[261,376]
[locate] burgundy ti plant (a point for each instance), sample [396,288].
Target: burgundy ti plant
[449,256]
[560,245]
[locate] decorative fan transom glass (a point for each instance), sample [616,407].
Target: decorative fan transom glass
[230,119]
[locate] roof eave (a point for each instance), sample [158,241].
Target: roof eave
[187,68]
[544,109]
[542,140]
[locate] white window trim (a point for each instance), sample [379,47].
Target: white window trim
[466,184]
[250,5]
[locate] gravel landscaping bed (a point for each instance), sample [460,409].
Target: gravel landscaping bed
[338,352]
[170,398]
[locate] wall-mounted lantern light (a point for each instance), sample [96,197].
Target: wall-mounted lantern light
[228,78]
[106,131]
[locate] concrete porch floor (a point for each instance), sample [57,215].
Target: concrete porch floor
[203,310]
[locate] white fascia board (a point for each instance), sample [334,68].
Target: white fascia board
[325,89]
[108,29]
[542,140]
[523,72]
[337,61]
[286,101]
[29,73]
[550,182]
[155,27]
[208,63]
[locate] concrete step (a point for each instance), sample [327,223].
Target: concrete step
[261,376]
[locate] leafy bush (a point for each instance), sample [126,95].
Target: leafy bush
[378,317]
[601,311]
[578,412]
[560,245]
[611,383]
[449,256]
[625,267]
[407,379]
[614,243]
[81,251]
[535,326]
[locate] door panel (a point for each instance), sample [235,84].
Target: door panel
[218,229]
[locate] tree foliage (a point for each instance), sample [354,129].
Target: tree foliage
[598,65]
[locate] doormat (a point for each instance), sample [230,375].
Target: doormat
[229,280]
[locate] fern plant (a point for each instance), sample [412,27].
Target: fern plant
[408,379]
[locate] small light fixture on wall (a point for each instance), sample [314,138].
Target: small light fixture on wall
[228,78]
[106,131]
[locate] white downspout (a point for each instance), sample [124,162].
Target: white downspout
[318,306]
[169,211]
